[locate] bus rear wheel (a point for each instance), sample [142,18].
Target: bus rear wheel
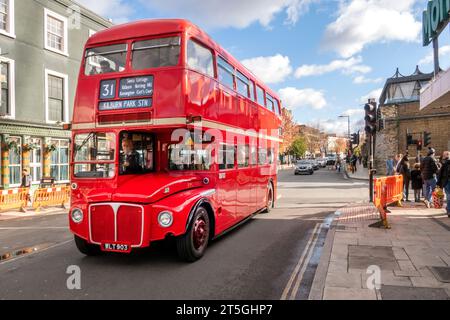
[86,248]
[270,198]
[192,245]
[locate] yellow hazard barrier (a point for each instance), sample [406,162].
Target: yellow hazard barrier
[14,199]
[45,197]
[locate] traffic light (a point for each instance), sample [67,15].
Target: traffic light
[371,117]
[426,138]
[355,138]
[419,145]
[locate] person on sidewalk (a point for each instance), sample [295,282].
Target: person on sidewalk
[405,171]
[26,182]
[444,179]
[417,182]
[390,166]
[398,160]
[429,170]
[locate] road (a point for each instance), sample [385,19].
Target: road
[273,256]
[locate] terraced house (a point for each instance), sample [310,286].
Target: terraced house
[41,45]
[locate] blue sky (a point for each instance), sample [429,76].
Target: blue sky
[324,57]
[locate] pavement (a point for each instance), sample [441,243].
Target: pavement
[410,261]
[360,174]
[17,214]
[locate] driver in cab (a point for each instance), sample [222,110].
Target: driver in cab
[130,158]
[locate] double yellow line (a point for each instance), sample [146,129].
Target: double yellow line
[291,289]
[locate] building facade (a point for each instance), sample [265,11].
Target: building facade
[41,43]
[400,113]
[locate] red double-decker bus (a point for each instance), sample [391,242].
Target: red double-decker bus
[171,137]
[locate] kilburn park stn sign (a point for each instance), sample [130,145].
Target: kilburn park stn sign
[435,19]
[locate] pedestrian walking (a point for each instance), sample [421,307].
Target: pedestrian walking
[444,178]
[390,166]
[405,171]
[354,161]
[416,182]
[398,159]
[429,170]
[26,182]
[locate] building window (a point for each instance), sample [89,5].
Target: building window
[56,89]
[36,160]
[15,161]
[55,32]
[7,94]
[7,18]
[59,168]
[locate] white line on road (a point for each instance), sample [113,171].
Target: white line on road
[35,252]
[299,264]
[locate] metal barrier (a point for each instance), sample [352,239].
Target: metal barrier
[51,197]
[387,190]
[14,199]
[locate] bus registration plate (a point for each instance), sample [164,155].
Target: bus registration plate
[116,247]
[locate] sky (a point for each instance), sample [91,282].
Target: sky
[325,58]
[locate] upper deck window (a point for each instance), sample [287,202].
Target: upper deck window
[260,95]
[226,72]
[270,102]
[106,59]
[242,84]
[200,58]
[154,53]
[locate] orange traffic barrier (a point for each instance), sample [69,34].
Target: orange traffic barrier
[387,191]
[44,197]
[14,199]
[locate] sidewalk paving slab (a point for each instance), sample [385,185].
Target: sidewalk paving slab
[418,240]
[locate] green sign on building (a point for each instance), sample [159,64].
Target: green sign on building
[435,19]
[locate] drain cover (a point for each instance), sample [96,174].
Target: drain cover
[441,273]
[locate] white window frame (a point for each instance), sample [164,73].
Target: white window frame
[11,22]
[16,185]
[48,13]
[34,165]
[65,78]
[11,89]
[59,163]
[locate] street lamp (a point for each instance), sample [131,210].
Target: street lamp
[349,138]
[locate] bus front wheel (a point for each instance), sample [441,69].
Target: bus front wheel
[192,245]
[86,248]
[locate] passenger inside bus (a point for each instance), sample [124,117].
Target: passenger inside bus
[106,67]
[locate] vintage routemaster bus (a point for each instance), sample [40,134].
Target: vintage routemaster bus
[171,137]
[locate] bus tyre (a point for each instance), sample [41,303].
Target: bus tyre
[86,248]
[270,198]
[192,245]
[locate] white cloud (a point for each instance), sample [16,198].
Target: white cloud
[375,94]
[348,66]
[364,22]
[364,80]
[354,112]
[231,13]
[339,126]
[294,98]
[117,10]
[273,69]
[444,54]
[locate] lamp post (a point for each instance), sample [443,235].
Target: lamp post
[349,139]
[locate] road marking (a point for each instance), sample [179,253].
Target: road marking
[30,228]
[305,264]
[35,252]
[300,263]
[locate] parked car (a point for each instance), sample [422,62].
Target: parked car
[331,161]
[322,162]
[315,164]
[304,167]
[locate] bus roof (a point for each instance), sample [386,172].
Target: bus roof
[144,28]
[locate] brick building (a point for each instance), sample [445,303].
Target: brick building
[399,112]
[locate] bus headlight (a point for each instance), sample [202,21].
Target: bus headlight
[77,215]
[165,219]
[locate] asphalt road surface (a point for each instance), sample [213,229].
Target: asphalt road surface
[272,256]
